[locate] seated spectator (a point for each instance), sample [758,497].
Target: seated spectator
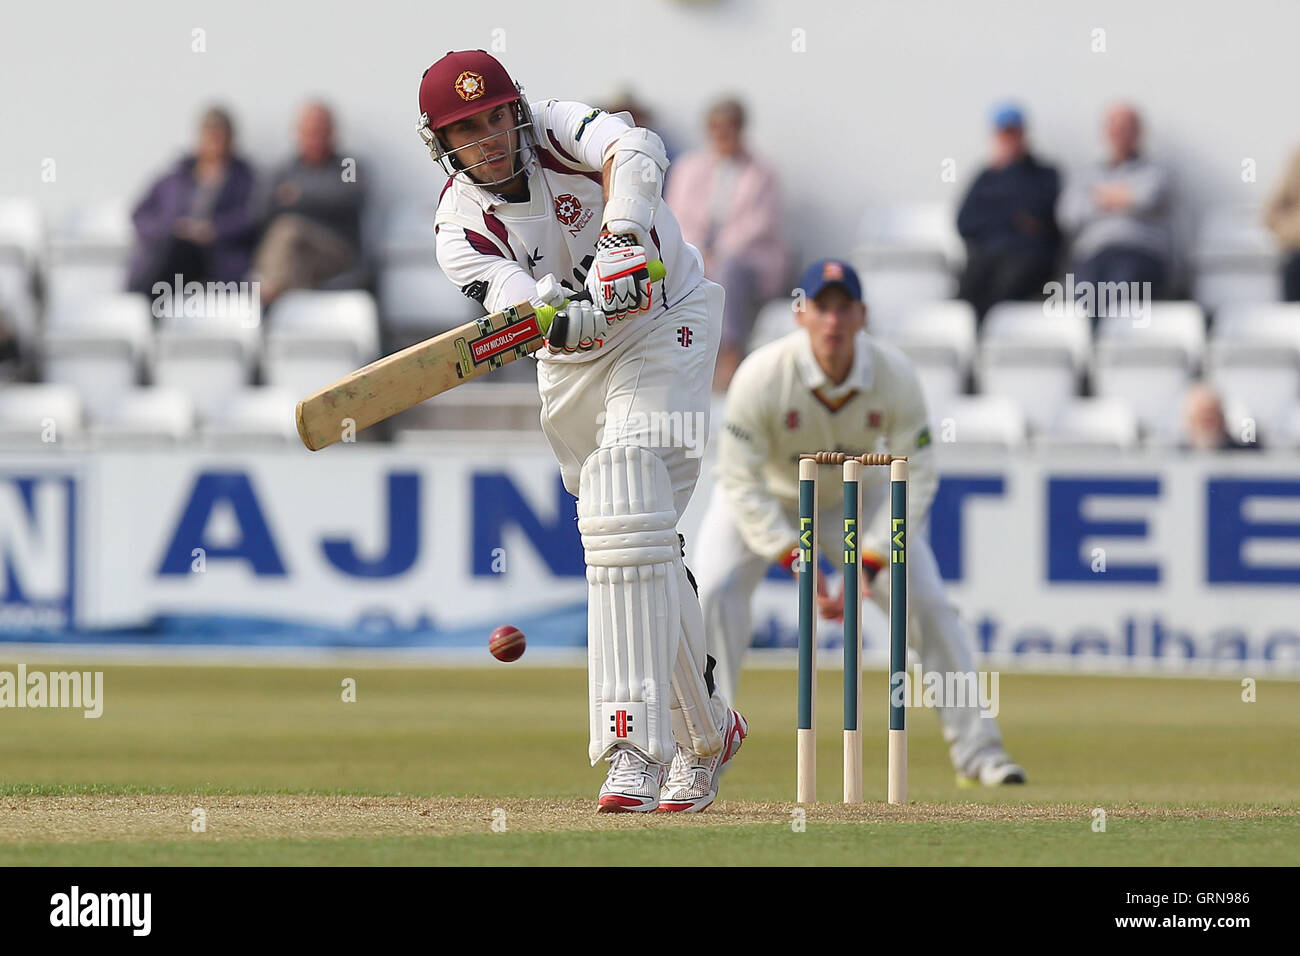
[1283,217]
[198,219]
[1119,212]
[313,215]
[1204,426]
[729,206]
[1008,220]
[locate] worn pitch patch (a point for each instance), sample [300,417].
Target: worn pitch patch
[154,817]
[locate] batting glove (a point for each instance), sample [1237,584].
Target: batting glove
[578,327]
[619,280]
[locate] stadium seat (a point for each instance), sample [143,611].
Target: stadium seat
[1151,387]
[123,316]
[1234,258]
[1169,327]
[418,301]
[71,282]
[1274,324]
[774,320]
[891,290]
[254,415]
[1264,381]
[1039,380]
[1091,423]
[901,233]
[1028,325]
[39,414]
[939,338]
[408,234]
[22,229]
[145,416]
[980,423]
[303,315]
[210,360]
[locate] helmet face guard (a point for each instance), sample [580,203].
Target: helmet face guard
[454,165]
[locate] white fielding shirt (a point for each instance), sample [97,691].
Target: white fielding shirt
[781,404]
[495,250]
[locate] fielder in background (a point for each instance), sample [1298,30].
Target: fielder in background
[552,193]
[827,387]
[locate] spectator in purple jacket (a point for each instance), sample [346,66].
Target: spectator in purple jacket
[198,219]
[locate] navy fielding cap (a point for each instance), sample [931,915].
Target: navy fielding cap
[830,272]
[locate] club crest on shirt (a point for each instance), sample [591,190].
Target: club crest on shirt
[792,419]
[469,85]
[874,418]
[568,208]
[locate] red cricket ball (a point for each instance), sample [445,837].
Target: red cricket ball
[507,643]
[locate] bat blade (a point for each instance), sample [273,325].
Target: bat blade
[399,381]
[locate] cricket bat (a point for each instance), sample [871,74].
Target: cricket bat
[399,381]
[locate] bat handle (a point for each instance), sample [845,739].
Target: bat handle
[546,313]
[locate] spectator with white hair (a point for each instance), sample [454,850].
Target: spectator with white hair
[1119,212]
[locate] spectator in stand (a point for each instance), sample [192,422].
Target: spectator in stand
[1119,212]
[198,219]
[313,219]
[1283,216]
[1008,220]
[1205,428]
[729,205]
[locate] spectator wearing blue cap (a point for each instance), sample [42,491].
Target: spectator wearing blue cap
[1008,220]
[1120,212]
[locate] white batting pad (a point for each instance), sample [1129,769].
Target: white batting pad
[702,715]
[629,535]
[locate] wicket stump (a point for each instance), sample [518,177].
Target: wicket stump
[806,783]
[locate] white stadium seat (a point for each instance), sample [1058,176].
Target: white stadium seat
[122,316]
[1264,382]
[416,298]
[1274,324]
[1039,382]
[303,314]
[939,339]
[1167,326]
[1153,389]
[81,280]
[145,416]
[908,232]
[22,228]
[1234,258]
[210,368]
[1030,325]
[255,415]
[408,233]
[1091,423]
[979,422]
[30,415]
[948,324]
[891,290]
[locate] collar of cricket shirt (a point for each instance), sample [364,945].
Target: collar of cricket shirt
[830,394]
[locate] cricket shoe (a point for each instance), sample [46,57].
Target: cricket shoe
[995,770]
[632,784]
[693,780]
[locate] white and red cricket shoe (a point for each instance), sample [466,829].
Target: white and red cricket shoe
[692,783]
[632,784]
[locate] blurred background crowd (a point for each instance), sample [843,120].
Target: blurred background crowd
[1187,337]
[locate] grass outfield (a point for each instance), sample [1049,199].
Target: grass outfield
[421,766]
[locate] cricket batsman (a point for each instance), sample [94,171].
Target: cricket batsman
[825,387]
[546,201]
